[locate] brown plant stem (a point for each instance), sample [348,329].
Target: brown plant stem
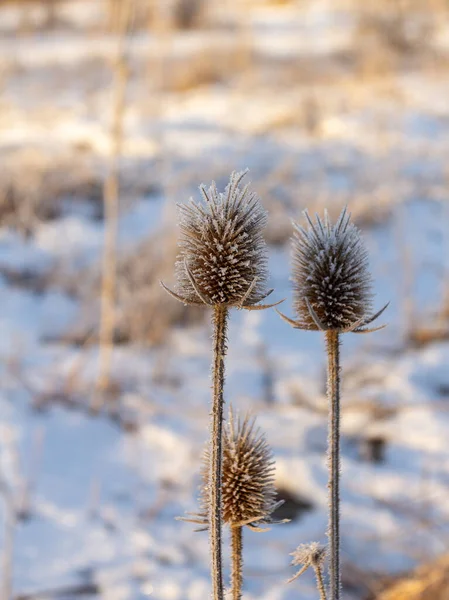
[237,562]
[319,581]
[219,320]
[333,394]
[111,191]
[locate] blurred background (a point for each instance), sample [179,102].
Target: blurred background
[113,111]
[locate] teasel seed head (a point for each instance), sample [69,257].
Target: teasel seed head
[223,255]
[308,555]
[248,490]
[331,279]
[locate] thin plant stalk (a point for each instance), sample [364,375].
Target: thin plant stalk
[237,562]
[111,194]
[320,581]
[220,319]
[333,393]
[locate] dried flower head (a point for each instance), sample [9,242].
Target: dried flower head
[248,490]
[331,278]
[308,555]
[223,255]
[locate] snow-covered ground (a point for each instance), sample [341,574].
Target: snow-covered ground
[97,496]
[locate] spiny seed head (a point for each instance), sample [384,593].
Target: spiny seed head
[248,490]
[223,255]
[331,280]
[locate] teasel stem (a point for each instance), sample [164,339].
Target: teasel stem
[237,562]
[333,393]
[319,581]
[220,319]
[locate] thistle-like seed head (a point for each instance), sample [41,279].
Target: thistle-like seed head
[248,490]
[223,255]
[331,278]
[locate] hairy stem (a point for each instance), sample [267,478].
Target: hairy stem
[333,393]
[220,317]
[320,582]
[237,562]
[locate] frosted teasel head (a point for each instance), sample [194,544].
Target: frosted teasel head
[332,284]
[223,255]
[248,490]
[308,555]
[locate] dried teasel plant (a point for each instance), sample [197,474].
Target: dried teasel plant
[332,293]
[248,490]
[310,555]
[222,264]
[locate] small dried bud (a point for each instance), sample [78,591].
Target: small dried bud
[312,554]
[248,490]
[331,279]
[308,555]
[223,255]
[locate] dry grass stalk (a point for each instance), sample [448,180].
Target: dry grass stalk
[111,203]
